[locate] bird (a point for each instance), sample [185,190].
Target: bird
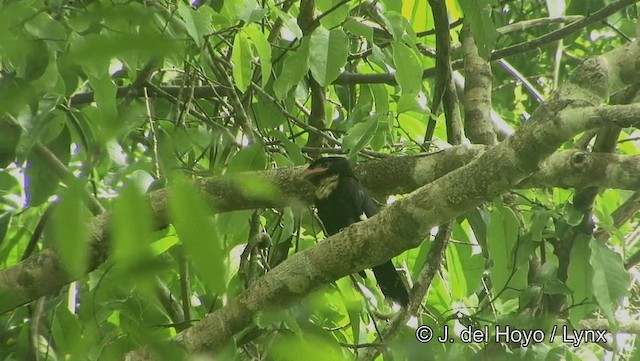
[341,200]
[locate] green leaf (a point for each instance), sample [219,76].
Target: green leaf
[359,135]
[381,97]
[191,218]
[294,68]
[314,347]
[358,28]
[242,60]
[39,182]
[263,48]
[610,279]
[43,26]
[580,279]
[456,274]
[336,16]
[478,13]
[70,230]
[266,114]
[399,27]
[540,220]
[131,229]
[328,51]
[16,94]
[502,234]
[293,150]
[5,218]
[556,287]
[248,11]
[196,22]
[248,158]
[10,131]
[67,331]
[572,215]
[408,69]
[37,60]
[105,97]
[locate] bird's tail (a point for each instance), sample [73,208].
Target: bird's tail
[391,284]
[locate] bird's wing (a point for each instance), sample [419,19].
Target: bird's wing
[366,203]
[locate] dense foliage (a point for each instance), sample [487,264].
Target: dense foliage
[103,102]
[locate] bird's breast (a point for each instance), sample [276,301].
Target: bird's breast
[326,186]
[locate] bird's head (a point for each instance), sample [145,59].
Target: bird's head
[328,167]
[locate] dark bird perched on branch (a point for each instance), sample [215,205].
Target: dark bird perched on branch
[341,201]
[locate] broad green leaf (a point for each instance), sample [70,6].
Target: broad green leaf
[36,61]
[381,97]
[385,127]
[70,223]
[10,131]
[328,54]
[66,331]
[503,245]
[580,279]
[242,60]
[16,94]
[334,17]
[203,245]
[315,348]
[359,28]
[248,11]
[540,220]
[5,218]
[364,105]
[419,14]
[43,26]
[478,14]
[294,68]
[455,271]
[196,22]
[263,48]
[131,228]
[399,28]
[408,69]
[359,135]
[105,97]
[266,114]
[235,226]
[392,5]
[39,182]
[408,102]
[610,279]
[572,215]
[248,158]
[293,150]
[413,124]
[439,297]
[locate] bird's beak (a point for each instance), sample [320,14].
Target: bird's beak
[310,172]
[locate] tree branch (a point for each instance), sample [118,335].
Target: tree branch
[368,243]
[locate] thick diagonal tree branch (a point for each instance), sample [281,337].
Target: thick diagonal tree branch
[42,274]
[397,227]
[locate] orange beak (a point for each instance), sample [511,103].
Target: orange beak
[308,173]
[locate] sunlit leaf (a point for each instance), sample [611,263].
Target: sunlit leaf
[197,232]
[610,279]
[70,230]
[264,51]
[328,51]
[242,61]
